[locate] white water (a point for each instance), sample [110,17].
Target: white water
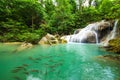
[85,3]
[31,77]
[96,37]
[77,4]
[54,2]
[88,32]
[114,31]
[93,3]
[112,34]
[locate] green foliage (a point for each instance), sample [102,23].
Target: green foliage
[30,20]
[28,37]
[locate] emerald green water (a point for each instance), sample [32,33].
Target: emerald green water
[57,62]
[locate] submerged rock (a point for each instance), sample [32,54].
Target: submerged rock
[110,57]
[23,46]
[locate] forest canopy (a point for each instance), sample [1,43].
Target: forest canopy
[29,20]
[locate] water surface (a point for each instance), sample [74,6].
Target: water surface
[56,62]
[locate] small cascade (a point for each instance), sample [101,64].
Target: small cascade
[54,2]
[112,34]
[114,31]
[86,33]
[91,33]
[77,4]
[96,37]
[93,3]
[85,3]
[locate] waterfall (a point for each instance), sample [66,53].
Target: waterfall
[91,33]
[85,3]
[114,31]
[112,34]
[93,3]
[96,37]
[77,4]
[54,2]
[86,34]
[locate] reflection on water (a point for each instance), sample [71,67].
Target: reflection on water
[57,62]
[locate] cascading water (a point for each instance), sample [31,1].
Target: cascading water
[94,33]
[93,3]
[88,32]
[85,3]
[96,37]
[82,37]
[91,33]
[114,31]
[112,34]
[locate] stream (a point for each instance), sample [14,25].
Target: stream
[71,61]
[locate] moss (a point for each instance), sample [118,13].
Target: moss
[114,45]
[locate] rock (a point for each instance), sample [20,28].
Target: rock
[114,45]
[65,38]
[77,31]
[91,37]
[49,39]
[43,41]
[110,57]
[26,45]
[23,46]
[103,25]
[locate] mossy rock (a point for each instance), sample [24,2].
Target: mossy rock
[114,42]
[114,45]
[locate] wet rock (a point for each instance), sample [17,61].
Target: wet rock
[51,39]
[77,31]
[26,45]
[48,39]
[114,45]
[43,41]
[65,39]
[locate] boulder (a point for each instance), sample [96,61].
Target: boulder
[48,39]
[43,41]
[77,31]
[65,39]
[50,36]
[103,25]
